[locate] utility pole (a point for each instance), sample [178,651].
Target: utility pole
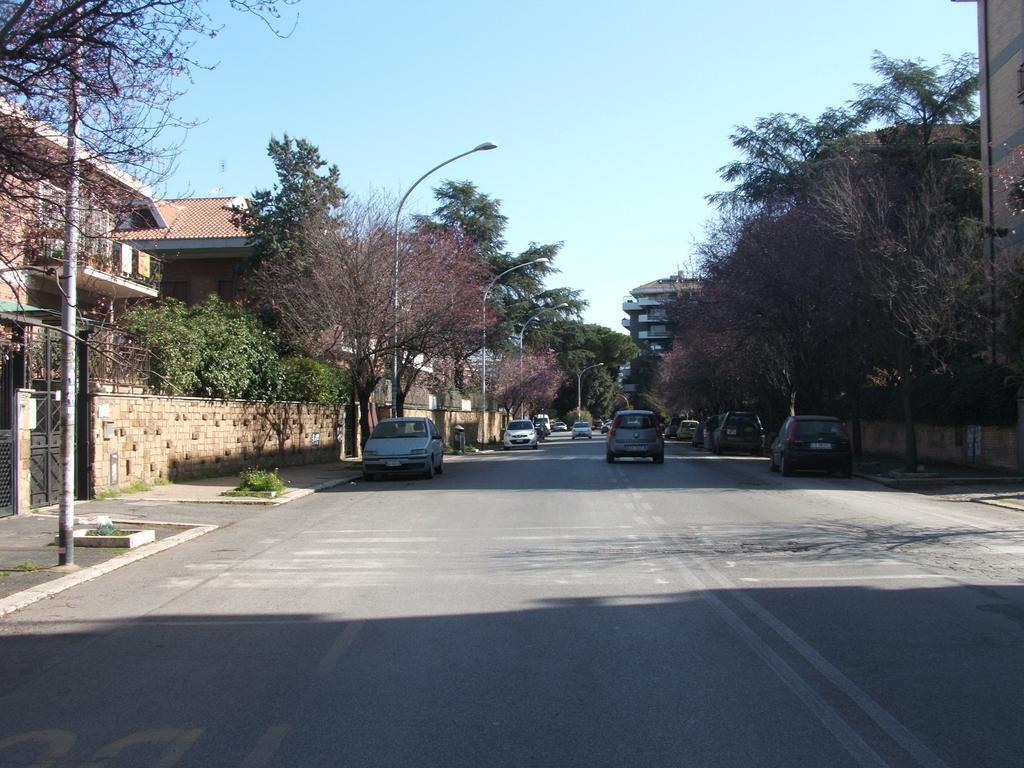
[69,325]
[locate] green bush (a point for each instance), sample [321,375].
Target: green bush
[971,392]
[312,381]
[212,350]
[257,480]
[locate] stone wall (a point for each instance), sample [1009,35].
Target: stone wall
[149,438]
[944,444]
[446,421]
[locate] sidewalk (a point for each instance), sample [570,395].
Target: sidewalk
[28,553]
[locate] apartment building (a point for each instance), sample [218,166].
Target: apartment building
[1001,55]
[647,318]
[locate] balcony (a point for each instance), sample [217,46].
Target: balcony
[105,268]
[626,323]
[653,317]
[635,305]
[651,335]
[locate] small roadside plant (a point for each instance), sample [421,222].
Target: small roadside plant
[107,529]
[258,482]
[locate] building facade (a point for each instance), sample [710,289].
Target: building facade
[647,319]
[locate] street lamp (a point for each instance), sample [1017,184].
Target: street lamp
[579,388]
[487,145]
[483,379]
[563,305]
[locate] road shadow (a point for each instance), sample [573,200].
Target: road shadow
[722,677]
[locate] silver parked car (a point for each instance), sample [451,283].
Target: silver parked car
[582,429]
[635,433]
[403,446]
[520,433]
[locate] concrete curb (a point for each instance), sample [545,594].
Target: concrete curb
[288,496]
[25,598]
[909,483]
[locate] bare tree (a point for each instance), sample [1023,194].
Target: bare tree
[527,382]
[919,266]
[334,299]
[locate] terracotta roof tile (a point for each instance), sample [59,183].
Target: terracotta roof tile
[194,218]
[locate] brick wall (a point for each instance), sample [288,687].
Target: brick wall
[944,444]
[156,437]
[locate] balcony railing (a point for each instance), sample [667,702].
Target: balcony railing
[105,267]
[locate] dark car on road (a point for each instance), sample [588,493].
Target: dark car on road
[739,431]
[673,427]
[812,442]
[699,434]
[710,425]
[635,434]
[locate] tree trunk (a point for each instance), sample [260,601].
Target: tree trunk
[364,417]
[906,396]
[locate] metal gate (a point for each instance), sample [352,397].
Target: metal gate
[45,351]
[8,388]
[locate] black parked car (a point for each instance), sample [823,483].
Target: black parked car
[812,442]
[739,431]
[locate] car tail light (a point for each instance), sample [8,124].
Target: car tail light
[613,427]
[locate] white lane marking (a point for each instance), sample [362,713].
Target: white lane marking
[877,577]
[843,732]
[889,724]
[345,639]
[659,520]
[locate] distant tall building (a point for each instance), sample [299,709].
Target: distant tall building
[647,317]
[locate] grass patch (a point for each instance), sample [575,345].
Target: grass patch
[112,493]
[27,567]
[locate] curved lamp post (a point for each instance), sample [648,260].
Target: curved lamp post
[483,378]
[579,388]
[522,331]
[563,305]
[394,362]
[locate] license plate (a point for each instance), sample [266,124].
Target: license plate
[636,447]
[821,446]
[730,431]
[392,463]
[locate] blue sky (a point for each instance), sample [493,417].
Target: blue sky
[611,118]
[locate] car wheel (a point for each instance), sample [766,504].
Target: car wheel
[535,446]
[428,473]
[784,466]
[772,466]
[369,477]
[659,459]
[755,452]
[440,464]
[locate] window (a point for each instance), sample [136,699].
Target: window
[226,290]
[175,289]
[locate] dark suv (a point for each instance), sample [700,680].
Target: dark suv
[635,433]
[739,431]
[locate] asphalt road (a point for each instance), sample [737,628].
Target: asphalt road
[544,608]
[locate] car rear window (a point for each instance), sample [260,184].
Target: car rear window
[520,424]
[636,421]
[400,429]
[744,420]
[809,429]
[581,424]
